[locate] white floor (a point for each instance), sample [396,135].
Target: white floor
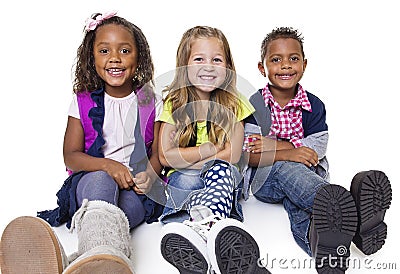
[270,227]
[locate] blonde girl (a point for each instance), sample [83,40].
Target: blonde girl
[201,138]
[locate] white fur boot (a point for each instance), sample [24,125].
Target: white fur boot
[103,240]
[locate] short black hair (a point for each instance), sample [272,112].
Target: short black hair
[281,32]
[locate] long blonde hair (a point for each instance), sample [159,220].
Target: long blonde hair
[181,93]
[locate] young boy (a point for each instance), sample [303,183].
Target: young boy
[288,163]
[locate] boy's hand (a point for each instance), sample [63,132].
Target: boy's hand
[303,155]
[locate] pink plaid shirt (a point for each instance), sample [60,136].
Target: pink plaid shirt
[287,122]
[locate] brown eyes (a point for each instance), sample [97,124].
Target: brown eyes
[215,60]
[279,59]
[123,51]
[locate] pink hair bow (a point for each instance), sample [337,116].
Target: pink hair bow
[91,24]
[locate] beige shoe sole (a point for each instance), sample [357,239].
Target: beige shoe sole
[29,246]
[102,263]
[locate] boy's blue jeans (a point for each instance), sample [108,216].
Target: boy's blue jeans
[294,185]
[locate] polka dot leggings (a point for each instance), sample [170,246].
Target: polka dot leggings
[218,192]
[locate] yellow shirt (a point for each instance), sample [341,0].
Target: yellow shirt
[245,110]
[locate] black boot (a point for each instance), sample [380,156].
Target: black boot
[372,194]
[333,226]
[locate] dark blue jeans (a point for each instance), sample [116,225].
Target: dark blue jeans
[294,185]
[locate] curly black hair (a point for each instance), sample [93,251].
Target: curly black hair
[281,32]
[86,77]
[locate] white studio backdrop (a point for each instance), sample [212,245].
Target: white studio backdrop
[352,49]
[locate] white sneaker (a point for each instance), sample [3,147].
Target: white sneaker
[233,250]
[200,212]
[184,244]
[184,248]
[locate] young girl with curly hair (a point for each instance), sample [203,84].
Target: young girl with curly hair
[110,150]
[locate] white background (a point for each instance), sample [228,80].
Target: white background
[352,49]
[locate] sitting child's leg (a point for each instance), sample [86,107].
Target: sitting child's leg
[295,185]
[181,185]
[97,185]
[186,245]
[218,192]
[133,208]
[100,186]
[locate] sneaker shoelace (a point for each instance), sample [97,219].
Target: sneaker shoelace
[202,227]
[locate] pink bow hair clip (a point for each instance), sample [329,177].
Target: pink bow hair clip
[91,24]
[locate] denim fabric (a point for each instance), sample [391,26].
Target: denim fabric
[98,185]
[184,184]
[294,185]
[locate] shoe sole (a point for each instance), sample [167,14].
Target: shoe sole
[335,222]
[102,263]
[372,193]
[236,251]
[182,254]
[29,245]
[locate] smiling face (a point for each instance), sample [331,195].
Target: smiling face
[284,63]
[206,66]
[116,58]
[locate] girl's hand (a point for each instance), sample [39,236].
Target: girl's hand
[120,173]
[208,149]
[261,144]
[143,183]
